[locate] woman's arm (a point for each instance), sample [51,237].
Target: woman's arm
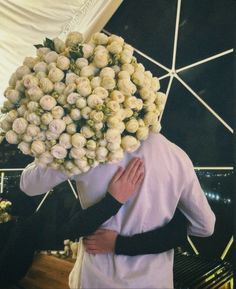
[122,186]
[152,242]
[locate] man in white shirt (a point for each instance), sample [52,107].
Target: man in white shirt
[170,181]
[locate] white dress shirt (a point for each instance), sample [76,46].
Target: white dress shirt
[170,181]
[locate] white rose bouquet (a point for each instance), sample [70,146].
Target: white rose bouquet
[5,208]
[75,105]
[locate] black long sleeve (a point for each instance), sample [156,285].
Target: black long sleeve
[156,241]
[85,222]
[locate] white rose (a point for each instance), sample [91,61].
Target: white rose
[52,65]
[139,104]
[113,121]
[160,100]
[100,59]
[77,153]
[155,84]
[54,165]
[35,93]
[63,62]
[59,87]
[117,96]
[87,50]
[46,85]
[30,62]
[91,145]
[57,112]
[95,82]
[85,112]
[58,151]
[93,100]
[41,74]
[116,68]
[101,92]
[5,125]
[67,119]
[40,136]
[22,71]
[128,112]
[41,67]
[33,118]
[19,125]
[86,132]
[88,71]
[45,158]
[12,80]
[128,67]
[11,115]
[115,47]
[37,147]
[116,38]
[150,107]
[107,72]
[75,114]
[24,147]
[126,56]
[108,82]
[72,98]
[112,135]
[57,126]
[130,102]
[81,163]
[101,154]
[27,138]
[46,118]
[12,137]
[21,110]
[47,102]
[84,88]
[51,57]
[132,125]
[59,45]
[100,38]
[75,171]
[81,62]
[51,135]
[42,51]
[113,146]
[138,78]
[142,133]
[123,74]
[96,116]
[81,103]
[71,128]
[65,140]
[156,127]
[150,118]
[71,87]
[113,105]
[90,154]
[139,67]
[130,143]
[116,156]
[56,75]
[145,93]
[32,130]
[32,106]
[30,81]
[71,77]
[78,140]
[20,86]
[73,38]
[126,86]
[12,95]
[102,142]
[98,126]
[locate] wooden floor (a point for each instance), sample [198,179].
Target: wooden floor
[48,272]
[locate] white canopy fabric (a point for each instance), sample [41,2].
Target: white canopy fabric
[24,23]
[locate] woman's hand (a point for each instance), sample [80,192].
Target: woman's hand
[101,242]
[127,181]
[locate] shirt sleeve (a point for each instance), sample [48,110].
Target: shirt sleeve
[36,180]
[194,205]
[155,241]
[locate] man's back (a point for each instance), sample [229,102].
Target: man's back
[169,181]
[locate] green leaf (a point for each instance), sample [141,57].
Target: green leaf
[75,54]
[49,43]
[38,46]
